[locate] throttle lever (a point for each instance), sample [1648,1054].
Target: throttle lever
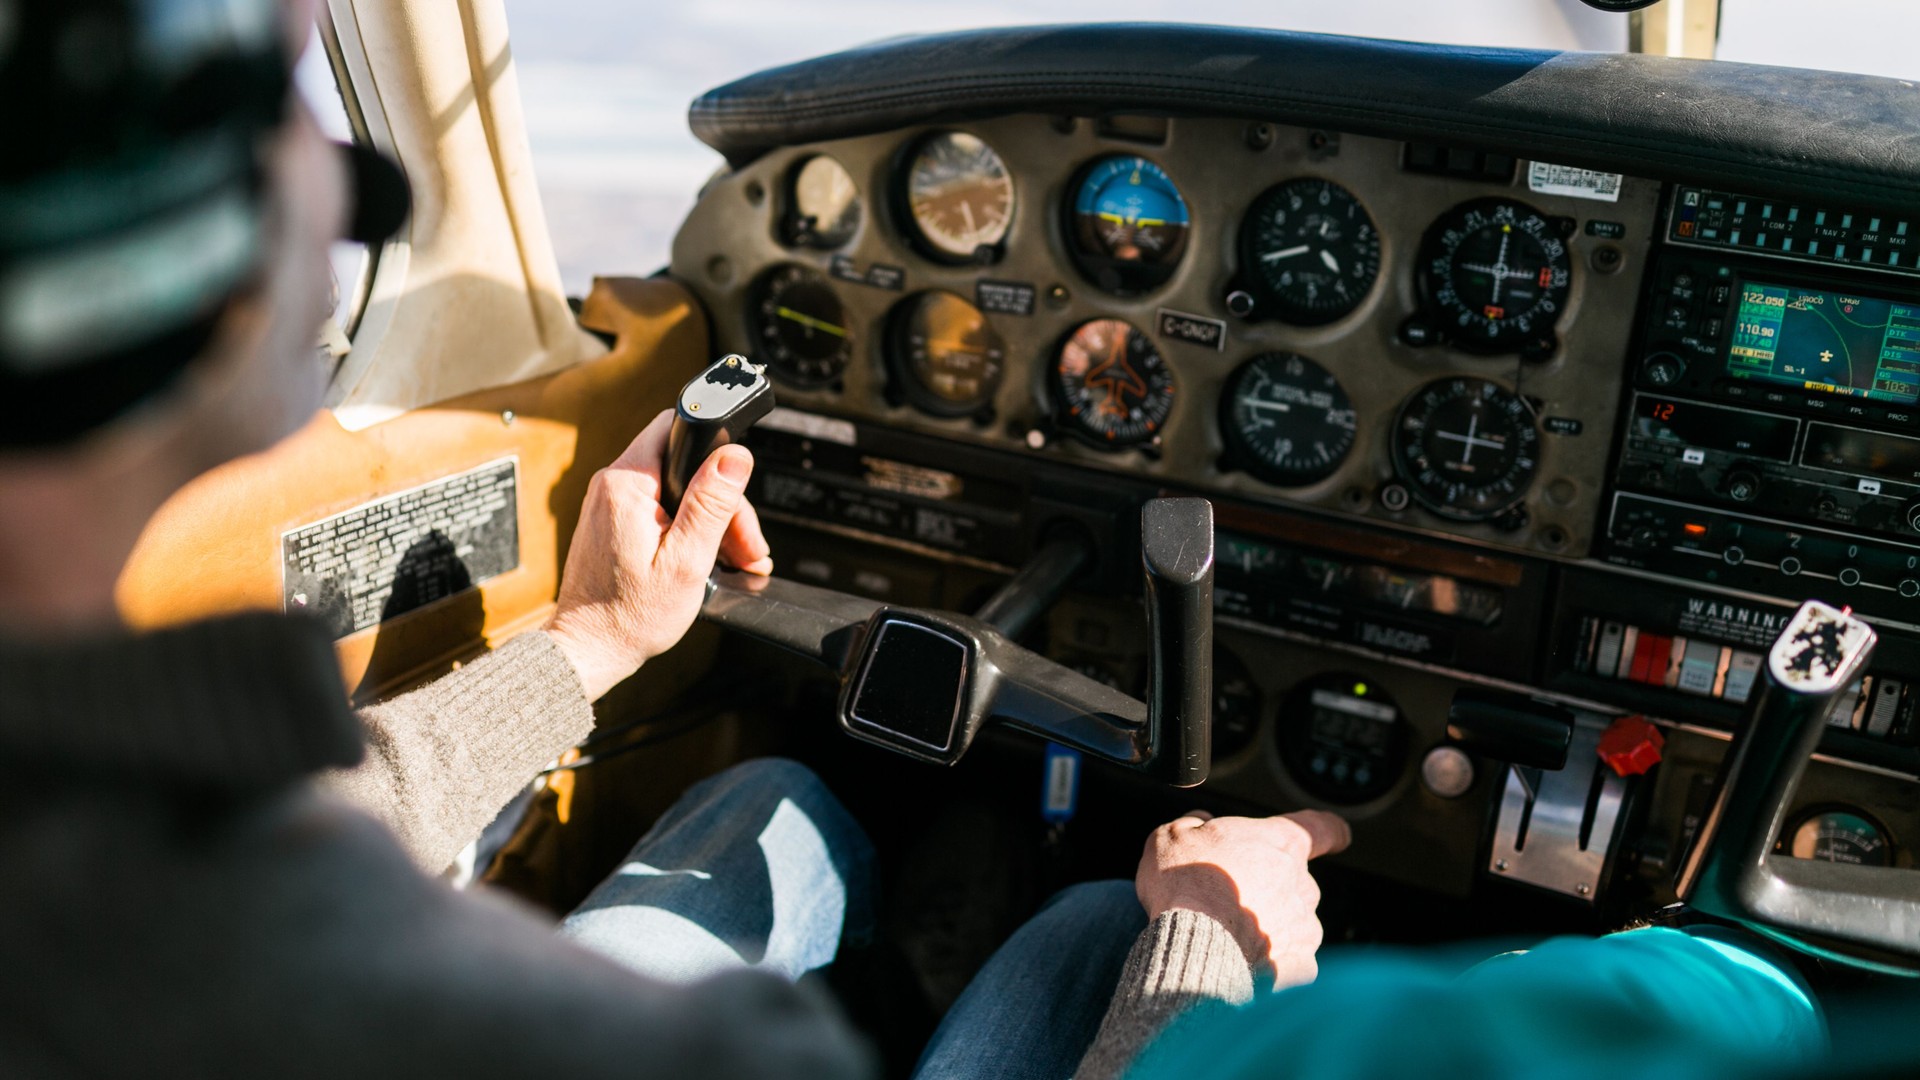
[715,408]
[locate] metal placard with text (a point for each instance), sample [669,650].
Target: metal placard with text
[404,551]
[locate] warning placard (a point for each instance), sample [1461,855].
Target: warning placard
[404,551]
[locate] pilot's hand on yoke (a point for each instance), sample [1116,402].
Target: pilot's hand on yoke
[635,576]
[1249,874]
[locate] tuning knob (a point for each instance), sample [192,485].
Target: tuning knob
[1662,369]
[1742,485]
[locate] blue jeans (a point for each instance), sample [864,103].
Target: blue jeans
[760,866]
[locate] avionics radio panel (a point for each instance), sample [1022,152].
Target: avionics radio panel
[1772,433]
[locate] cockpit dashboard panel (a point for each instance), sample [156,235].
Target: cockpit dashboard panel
[1120,286]
[1475,421]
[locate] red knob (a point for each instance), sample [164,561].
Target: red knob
[1631,745]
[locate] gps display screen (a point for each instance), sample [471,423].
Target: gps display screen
[1826,341]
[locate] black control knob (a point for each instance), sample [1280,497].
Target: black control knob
[1741,485]
[1511,727]
[1662,369]
[1639,538]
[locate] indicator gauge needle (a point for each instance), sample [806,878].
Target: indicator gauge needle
[1285,253]
[810,322]
[1333,264]
[1271,406]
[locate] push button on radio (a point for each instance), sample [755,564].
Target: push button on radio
[1790,566]
[1849,576]
[1734,555]
[1909,588]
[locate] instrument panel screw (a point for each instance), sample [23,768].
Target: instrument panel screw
[1057,296]
[756,192]
[1501,865]
[506,417]
[1259,136]
[1583,889]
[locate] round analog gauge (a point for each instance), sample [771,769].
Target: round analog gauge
[1840,836]
[1310,251]
[945,357]
[824,204]
[1286,419]
[1112,386]
[799,326]
[959,196]
[1129,224]
[1468,448]
[1496,272]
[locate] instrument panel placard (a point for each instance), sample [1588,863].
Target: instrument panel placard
[385,558]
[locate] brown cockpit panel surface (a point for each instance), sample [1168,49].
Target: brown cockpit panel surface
[215,547]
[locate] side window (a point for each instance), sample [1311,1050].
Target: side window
[316,81]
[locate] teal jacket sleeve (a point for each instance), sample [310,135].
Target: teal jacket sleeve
[1651,1003]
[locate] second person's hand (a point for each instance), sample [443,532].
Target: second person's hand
[1249,874]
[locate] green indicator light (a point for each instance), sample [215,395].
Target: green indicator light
[1359,689]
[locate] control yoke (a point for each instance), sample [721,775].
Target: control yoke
[923,683]
[1830,908]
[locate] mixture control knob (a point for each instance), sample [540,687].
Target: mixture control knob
[1742,485]
[1662,369]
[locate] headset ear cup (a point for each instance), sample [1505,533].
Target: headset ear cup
[1620,5]
[381,196]
[145,129]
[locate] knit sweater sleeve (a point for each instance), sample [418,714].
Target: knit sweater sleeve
[442,760]
[1181,959]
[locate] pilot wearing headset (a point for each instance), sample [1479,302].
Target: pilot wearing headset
[213,867]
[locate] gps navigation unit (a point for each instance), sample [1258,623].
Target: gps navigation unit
[1826,341]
